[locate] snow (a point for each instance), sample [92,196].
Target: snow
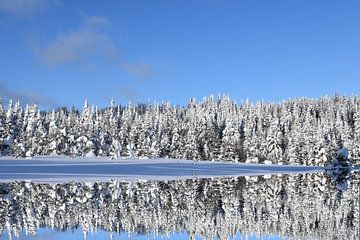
[60,169]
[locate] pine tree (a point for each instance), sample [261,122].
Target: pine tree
[40,140]
[54,135]
[230,147]
[175,146]
[4,133]
[274,141]
[191,147]
[115,150]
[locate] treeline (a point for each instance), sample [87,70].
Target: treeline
[299,131]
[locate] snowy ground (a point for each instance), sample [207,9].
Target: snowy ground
[60,169]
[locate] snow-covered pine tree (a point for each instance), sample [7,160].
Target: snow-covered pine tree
[274,140]
[176,143]
[72,123]
[356,132]
[14,119]
[86,142]
[54,135]
[191,148]
[231,141]
[32,117]
[146,131]
[4,132]
[163,136]
[107,129]
[40,140]
[115,150]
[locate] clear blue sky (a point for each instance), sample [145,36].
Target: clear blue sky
[58,52]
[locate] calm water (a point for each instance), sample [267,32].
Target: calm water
[303,206]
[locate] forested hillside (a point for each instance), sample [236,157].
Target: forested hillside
[299,131]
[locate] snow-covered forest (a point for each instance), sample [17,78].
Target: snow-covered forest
[299,131]
[291,206]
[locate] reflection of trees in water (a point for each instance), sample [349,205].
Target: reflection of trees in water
[300,206]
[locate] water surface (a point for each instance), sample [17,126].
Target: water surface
[302,206]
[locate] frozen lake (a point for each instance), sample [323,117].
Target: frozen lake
[59,169]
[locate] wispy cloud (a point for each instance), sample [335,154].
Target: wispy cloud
[25,97]
[91,39]
[23,7]
[77,45]
[141,69]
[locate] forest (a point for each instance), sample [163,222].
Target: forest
[303,131]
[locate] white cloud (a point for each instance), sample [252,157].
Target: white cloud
[23,7]
[76,45]
[79,44]
[90,39]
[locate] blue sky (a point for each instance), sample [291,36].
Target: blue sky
[57,52]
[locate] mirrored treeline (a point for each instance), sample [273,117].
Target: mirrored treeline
[295,207]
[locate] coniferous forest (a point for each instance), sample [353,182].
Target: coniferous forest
[296,131]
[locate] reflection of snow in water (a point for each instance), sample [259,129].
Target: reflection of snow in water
[292,206]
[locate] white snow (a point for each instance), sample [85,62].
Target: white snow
[60,169]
